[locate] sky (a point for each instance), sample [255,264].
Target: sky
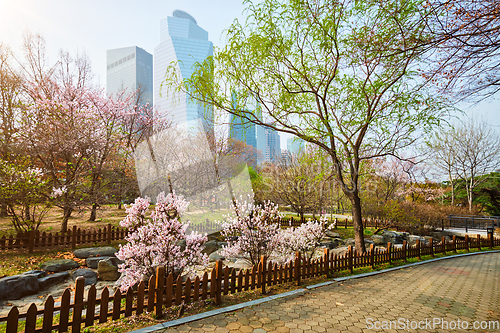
[93,27]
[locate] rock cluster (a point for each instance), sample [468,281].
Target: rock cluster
[59,271]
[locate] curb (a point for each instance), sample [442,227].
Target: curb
[300,291]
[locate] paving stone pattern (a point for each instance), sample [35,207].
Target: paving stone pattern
[466,288]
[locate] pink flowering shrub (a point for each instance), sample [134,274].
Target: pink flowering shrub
[253,232]
[157,240]
[304,239]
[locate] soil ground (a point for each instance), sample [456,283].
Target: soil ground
[52,220]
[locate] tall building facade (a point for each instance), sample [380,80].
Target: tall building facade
[184,42]
[273,149]
[251,134]
[130,69]
[295,145]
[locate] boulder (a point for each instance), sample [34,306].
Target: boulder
[214,256]
[52,279]
[332,234]
[38,274]
[327,244]
[59,265]
[393,237]
[93,262]
[337,242]
[89,275]
[18,286]
[412,240]
[107,270]
[350,241]
[427,240]
[210,247]
[340,251]
[84,253]
[378,240]
[241,264]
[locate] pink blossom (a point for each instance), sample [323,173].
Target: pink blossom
[157,241]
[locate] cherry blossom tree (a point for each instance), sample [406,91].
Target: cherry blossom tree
[253,232]
[155,240]
[304,239]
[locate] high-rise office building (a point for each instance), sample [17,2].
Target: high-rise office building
[295,145]
[181,41]
[130,69]
[273,149]
[251,134]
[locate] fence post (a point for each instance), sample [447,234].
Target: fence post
[454,244]
[417,245]
[405,248]
[479,242]
[372,256]
[298,270]
[160,287]
[31,240]
[443,243]
[78,307]
[263,262]
[349,259]
[73,237]
[12,320]
[431,241]
[467,242]
[345,223]
[326,257]
[389,247]
[109,234]
[218,278]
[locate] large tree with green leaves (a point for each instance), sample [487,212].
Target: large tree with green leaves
[340,75]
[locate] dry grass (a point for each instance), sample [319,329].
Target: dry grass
[52,221]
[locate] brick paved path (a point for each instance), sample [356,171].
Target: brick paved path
[465,289]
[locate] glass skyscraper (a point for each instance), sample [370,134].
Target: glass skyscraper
[249,133]
[295,145]
[273,149]
[184,42]
[130,68]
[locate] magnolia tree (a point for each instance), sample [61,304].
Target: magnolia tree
[256,231]
[253,232]
[304,239]
[156,239]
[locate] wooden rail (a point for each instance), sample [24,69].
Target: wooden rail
[166,290]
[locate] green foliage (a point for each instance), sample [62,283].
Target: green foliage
[24,192]
[337,74]
[486,195]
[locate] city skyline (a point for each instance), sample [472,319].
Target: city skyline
[184,42]
[130,68]
[57,21]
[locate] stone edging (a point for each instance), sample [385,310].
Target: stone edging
[300,291]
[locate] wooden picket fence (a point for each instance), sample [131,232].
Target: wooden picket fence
[164,291]
[339,223]
[36,240]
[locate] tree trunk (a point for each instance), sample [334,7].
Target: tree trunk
[66,215]
[3,210]
[93,212]
[359,236]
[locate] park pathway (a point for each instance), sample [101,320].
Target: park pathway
[460,291]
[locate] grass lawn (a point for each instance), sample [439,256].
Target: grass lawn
[52,221]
